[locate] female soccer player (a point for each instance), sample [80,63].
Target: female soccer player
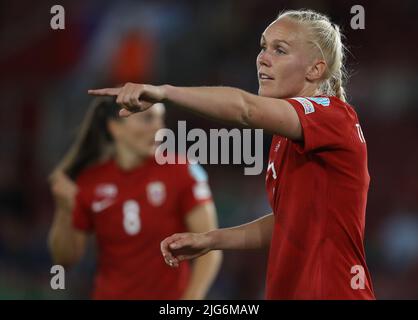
[131,204]
[317,177]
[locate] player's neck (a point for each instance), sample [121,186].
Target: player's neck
[127,160]
[309,90]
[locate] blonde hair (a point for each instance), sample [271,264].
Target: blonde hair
[326,36]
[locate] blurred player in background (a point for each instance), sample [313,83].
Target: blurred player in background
[317,176]
[109,184]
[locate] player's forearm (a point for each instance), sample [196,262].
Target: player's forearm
[220,103]
[204,271]
[253,235]
[61,240]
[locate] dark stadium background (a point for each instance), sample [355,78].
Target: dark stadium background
[45,75]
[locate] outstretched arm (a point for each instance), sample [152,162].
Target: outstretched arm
[221,103]
[184,246]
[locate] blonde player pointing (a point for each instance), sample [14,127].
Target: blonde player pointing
[317,179]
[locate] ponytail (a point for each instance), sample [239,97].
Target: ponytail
[93,142]
[337,87]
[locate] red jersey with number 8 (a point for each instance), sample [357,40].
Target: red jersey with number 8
[130,213]
[318,191]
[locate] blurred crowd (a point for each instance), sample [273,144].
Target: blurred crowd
[44,79]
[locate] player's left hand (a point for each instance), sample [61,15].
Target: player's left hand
[133,97]
[63,189]
[184,246]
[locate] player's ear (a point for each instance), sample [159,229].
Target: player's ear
[317,70]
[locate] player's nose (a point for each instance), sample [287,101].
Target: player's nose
[263,59]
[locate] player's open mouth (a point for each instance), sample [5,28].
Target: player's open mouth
[264,76]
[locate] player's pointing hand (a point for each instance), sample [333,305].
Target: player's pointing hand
[133,97]
[105,91]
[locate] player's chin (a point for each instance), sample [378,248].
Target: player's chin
[265,91]
[145,150]
[271,90]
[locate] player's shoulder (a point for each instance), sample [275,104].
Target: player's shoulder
[335,101]
[324,101]
[327,105]
[184,168]
[344,107]
[92,172]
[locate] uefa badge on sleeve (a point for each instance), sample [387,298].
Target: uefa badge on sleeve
[306,104]
[201,191]
[156,193]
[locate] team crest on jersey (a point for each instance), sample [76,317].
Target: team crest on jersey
[306,104]
[106,190]
[156,193]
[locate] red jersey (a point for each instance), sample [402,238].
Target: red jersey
[318,192]
[130,213]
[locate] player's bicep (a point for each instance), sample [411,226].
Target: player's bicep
[202,218]
[277,116]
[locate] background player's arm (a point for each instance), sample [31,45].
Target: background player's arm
[66,244]
[183,246]
[221,103]
[202,218]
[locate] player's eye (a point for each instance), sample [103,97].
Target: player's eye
[279,50]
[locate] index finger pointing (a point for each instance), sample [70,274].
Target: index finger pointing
[105,91]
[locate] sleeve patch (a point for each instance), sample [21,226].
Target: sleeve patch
[201,191]
[198,173]
[323,101]
[306,104]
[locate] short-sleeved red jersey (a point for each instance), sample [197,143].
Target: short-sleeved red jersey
[130,213]
[318,192]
